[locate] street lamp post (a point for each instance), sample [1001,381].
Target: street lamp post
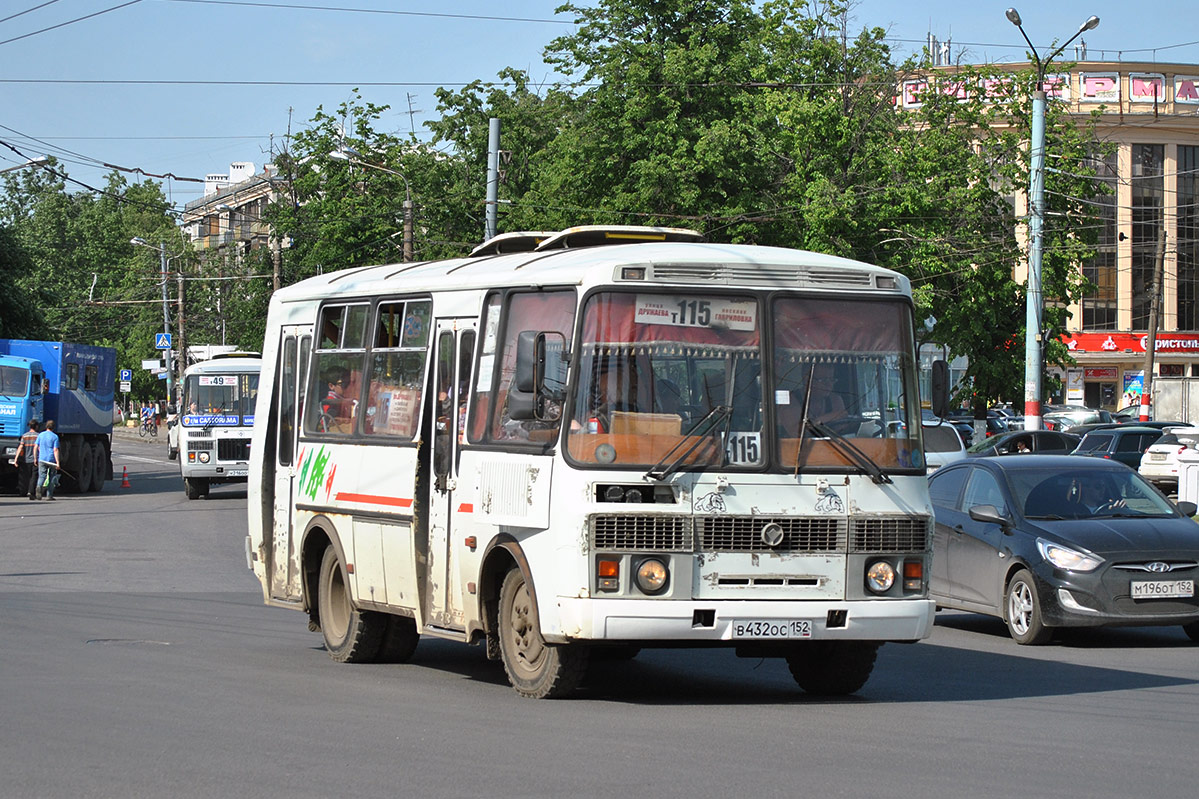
[39,161]
[166,315]
[352,156]
[1036,220]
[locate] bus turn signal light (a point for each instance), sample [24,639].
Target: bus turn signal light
[608,573]
[913,575]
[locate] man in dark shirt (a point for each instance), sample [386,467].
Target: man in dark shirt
[26,460]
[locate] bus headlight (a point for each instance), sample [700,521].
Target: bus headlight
[880,577]
[651,576]
[203,457]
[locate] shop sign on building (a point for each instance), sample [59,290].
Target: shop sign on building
[1099,87]
[1116,343]
[1186,89]
[1101,373]
[1146,87]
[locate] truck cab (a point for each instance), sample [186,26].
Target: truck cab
[22,388]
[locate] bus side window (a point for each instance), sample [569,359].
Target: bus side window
[337,370]
[396,368]
[546,310]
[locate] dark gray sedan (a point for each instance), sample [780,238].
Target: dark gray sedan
[1047,541]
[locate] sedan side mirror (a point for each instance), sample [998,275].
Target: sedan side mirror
[989,514]
[1187,508]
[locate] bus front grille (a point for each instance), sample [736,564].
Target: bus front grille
[641,533]
[890,534]
[233,449]
[744,534]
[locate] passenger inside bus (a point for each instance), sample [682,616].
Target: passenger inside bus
[335,407]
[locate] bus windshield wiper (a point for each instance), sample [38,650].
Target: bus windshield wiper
[849,450]
[213,416]
[718,414]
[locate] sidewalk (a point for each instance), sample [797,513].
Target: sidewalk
[131,434]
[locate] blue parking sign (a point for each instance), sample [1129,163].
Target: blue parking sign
[162,341]
[126,374]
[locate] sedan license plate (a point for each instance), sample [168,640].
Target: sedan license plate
[758,628]
[1163,589]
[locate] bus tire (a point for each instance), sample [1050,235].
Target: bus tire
[832,668]
[536,670]
[351,635]
[195,487]
[99,467]
[82,481]
[399,640]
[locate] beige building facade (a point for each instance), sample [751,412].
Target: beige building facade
[1150,113]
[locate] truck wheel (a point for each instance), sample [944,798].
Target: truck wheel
[832,668]
[83,479]
[535,669]
[351,635]
[99,467]
[195,487]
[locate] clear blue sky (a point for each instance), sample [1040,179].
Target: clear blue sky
[198,119]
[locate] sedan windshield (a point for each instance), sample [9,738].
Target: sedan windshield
[1046,493]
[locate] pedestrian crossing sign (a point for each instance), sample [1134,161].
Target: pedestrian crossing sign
[162,341]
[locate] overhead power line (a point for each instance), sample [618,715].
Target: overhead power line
[299,6]
[68,22]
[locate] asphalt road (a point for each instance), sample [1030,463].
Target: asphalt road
[139,661]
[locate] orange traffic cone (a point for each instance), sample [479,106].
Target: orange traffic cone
[125,477]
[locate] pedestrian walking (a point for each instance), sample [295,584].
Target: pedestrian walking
[26,460]
[48,463]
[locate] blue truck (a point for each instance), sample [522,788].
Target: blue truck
[71,384]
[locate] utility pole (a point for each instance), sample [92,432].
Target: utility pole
[182,340]
[493,177]
[1155,301]
[166,317]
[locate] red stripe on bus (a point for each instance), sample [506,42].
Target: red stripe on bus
[466,507]
[372,499]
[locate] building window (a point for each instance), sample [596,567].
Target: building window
[1187,241]
[1147,196]
[1099,304]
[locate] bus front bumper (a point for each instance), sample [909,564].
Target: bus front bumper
[735,621]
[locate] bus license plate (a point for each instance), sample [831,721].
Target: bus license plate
[1163,589]
[238,472]
[756,628]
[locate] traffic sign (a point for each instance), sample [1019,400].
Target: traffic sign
[162,341]
[126,386]
[126,376]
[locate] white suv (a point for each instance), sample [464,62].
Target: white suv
[942,445]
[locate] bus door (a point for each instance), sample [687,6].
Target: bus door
[453,361]
[290,380]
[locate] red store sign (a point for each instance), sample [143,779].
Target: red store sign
[1117,343]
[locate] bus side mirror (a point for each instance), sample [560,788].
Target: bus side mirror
[940,389]
[527,361]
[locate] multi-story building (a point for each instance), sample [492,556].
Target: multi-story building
[1150,112]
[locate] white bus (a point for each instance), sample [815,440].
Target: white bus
[593,449]
[211,436]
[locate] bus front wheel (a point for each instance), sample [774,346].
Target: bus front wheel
[832,668]
[195,487]
[536,669]
[351,635]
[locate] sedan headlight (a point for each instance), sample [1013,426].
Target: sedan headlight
[1065,558]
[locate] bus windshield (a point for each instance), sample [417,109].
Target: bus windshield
[676,377]
[222,400]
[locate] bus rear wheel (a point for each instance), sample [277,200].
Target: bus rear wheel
[195,487]
[351,635]
[832,668]
[82,481]
[536,669]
